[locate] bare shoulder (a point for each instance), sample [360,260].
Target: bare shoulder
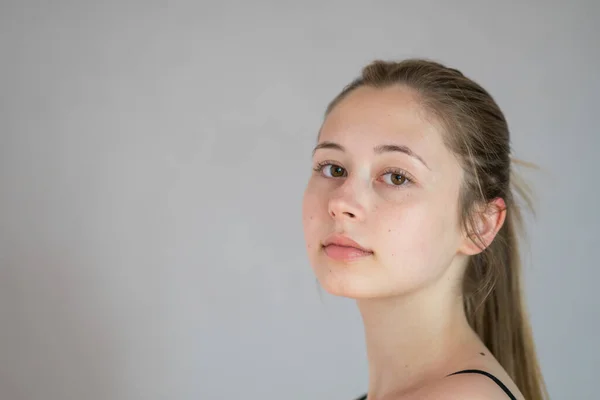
[464,387]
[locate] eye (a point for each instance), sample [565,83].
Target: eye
[394,177]
[335,170]
[397,178]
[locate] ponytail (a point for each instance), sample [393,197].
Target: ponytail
[494,302]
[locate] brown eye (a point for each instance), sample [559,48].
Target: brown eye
[337,171]
[331,170]
[396,179]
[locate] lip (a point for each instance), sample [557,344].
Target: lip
[342,248]
[344,241]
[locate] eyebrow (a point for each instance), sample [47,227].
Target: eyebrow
[380,149]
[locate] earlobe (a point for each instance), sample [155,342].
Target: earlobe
[487,225]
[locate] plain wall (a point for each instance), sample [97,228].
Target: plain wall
[153,157]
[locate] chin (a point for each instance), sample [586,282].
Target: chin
[357,280]
[357,291]
[362,279]
[338,289]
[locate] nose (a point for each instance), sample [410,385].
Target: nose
[345,206]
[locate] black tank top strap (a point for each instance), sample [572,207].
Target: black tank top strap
[492,377]
[475,371]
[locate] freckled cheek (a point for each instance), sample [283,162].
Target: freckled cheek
[315,200]
[407,233]
[313,217]
[310,232]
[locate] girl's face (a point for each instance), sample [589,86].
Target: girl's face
[383,178]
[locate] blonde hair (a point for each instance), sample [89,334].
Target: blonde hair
[477,132]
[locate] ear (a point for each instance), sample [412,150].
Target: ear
[487,224]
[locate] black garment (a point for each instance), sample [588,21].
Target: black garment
[475,371]
[492,377]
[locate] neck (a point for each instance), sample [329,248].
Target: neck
[411,338]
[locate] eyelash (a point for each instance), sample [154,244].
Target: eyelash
[396,171]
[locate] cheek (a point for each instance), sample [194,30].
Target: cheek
[312,211]
[418,241]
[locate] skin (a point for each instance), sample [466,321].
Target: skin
[408,290]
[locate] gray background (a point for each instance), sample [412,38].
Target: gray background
[153,157]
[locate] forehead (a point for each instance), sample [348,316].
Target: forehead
[369,116]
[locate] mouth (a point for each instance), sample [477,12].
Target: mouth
[342,248]
[344,253]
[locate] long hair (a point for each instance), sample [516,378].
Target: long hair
[476,131]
